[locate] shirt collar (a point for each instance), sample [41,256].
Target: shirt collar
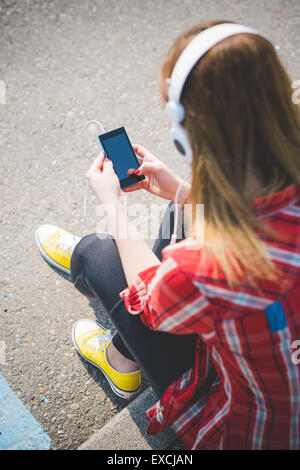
[267,205]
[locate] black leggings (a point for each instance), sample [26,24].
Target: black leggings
[97,271]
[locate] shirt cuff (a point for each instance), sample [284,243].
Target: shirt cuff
[135,296]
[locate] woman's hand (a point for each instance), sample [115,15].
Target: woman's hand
[160,180]
[103,180]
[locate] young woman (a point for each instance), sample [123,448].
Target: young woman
[211,325]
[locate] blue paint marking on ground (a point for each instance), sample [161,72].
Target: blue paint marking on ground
[19,430]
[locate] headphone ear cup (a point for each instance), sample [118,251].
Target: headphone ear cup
[181,142]
[174,112]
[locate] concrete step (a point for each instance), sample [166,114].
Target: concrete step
[127,430]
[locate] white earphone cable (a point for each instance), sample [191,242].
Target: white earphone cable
[84,154]
[176,215]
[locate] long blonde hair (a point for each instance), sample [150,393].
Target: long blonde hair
[242,124]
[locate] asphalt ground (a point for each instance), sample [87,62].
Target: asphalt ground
[64,63]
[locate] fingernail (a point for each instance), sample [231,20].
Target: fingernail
[137,172]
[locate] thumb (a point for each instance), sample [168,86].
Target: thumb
[107,164]
[148,168]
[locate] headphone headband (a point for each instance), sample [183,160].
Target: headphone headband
[191,54]
[175,112]
[196,49]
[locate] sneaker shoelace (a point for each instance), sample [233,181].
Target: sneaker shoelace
[67,245]
[99,339]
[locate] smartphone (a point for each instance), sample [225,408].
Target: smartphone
[117,147]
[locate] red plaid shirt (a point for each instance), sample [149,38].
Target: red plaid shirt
[254,402]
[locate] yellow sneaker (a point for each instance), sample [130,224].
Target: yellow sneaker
[56,245]
[91,341]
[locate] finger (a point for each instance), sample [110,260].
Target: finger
[108,166]
[102,158]
[98,162]
[134,187]
[140,150]
[132,171]
[139,157]
[96,166]
[107,161]
[148,168]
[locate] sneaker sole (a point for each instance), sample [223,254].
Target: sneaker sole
[118,391]
[47,257]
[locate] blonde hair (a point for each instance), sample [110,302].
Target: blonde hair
[242,124]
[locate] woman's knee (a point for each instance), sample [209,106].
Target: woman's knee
[82,263]
[80,254]
[85,251]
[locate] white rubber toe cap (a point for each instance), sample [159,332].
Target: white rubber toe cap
[44,231]
[84,326]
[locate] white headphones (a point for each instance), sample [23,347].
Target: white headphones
[193,52]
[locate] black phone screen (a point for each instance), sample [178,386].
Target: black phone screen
[118,149]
